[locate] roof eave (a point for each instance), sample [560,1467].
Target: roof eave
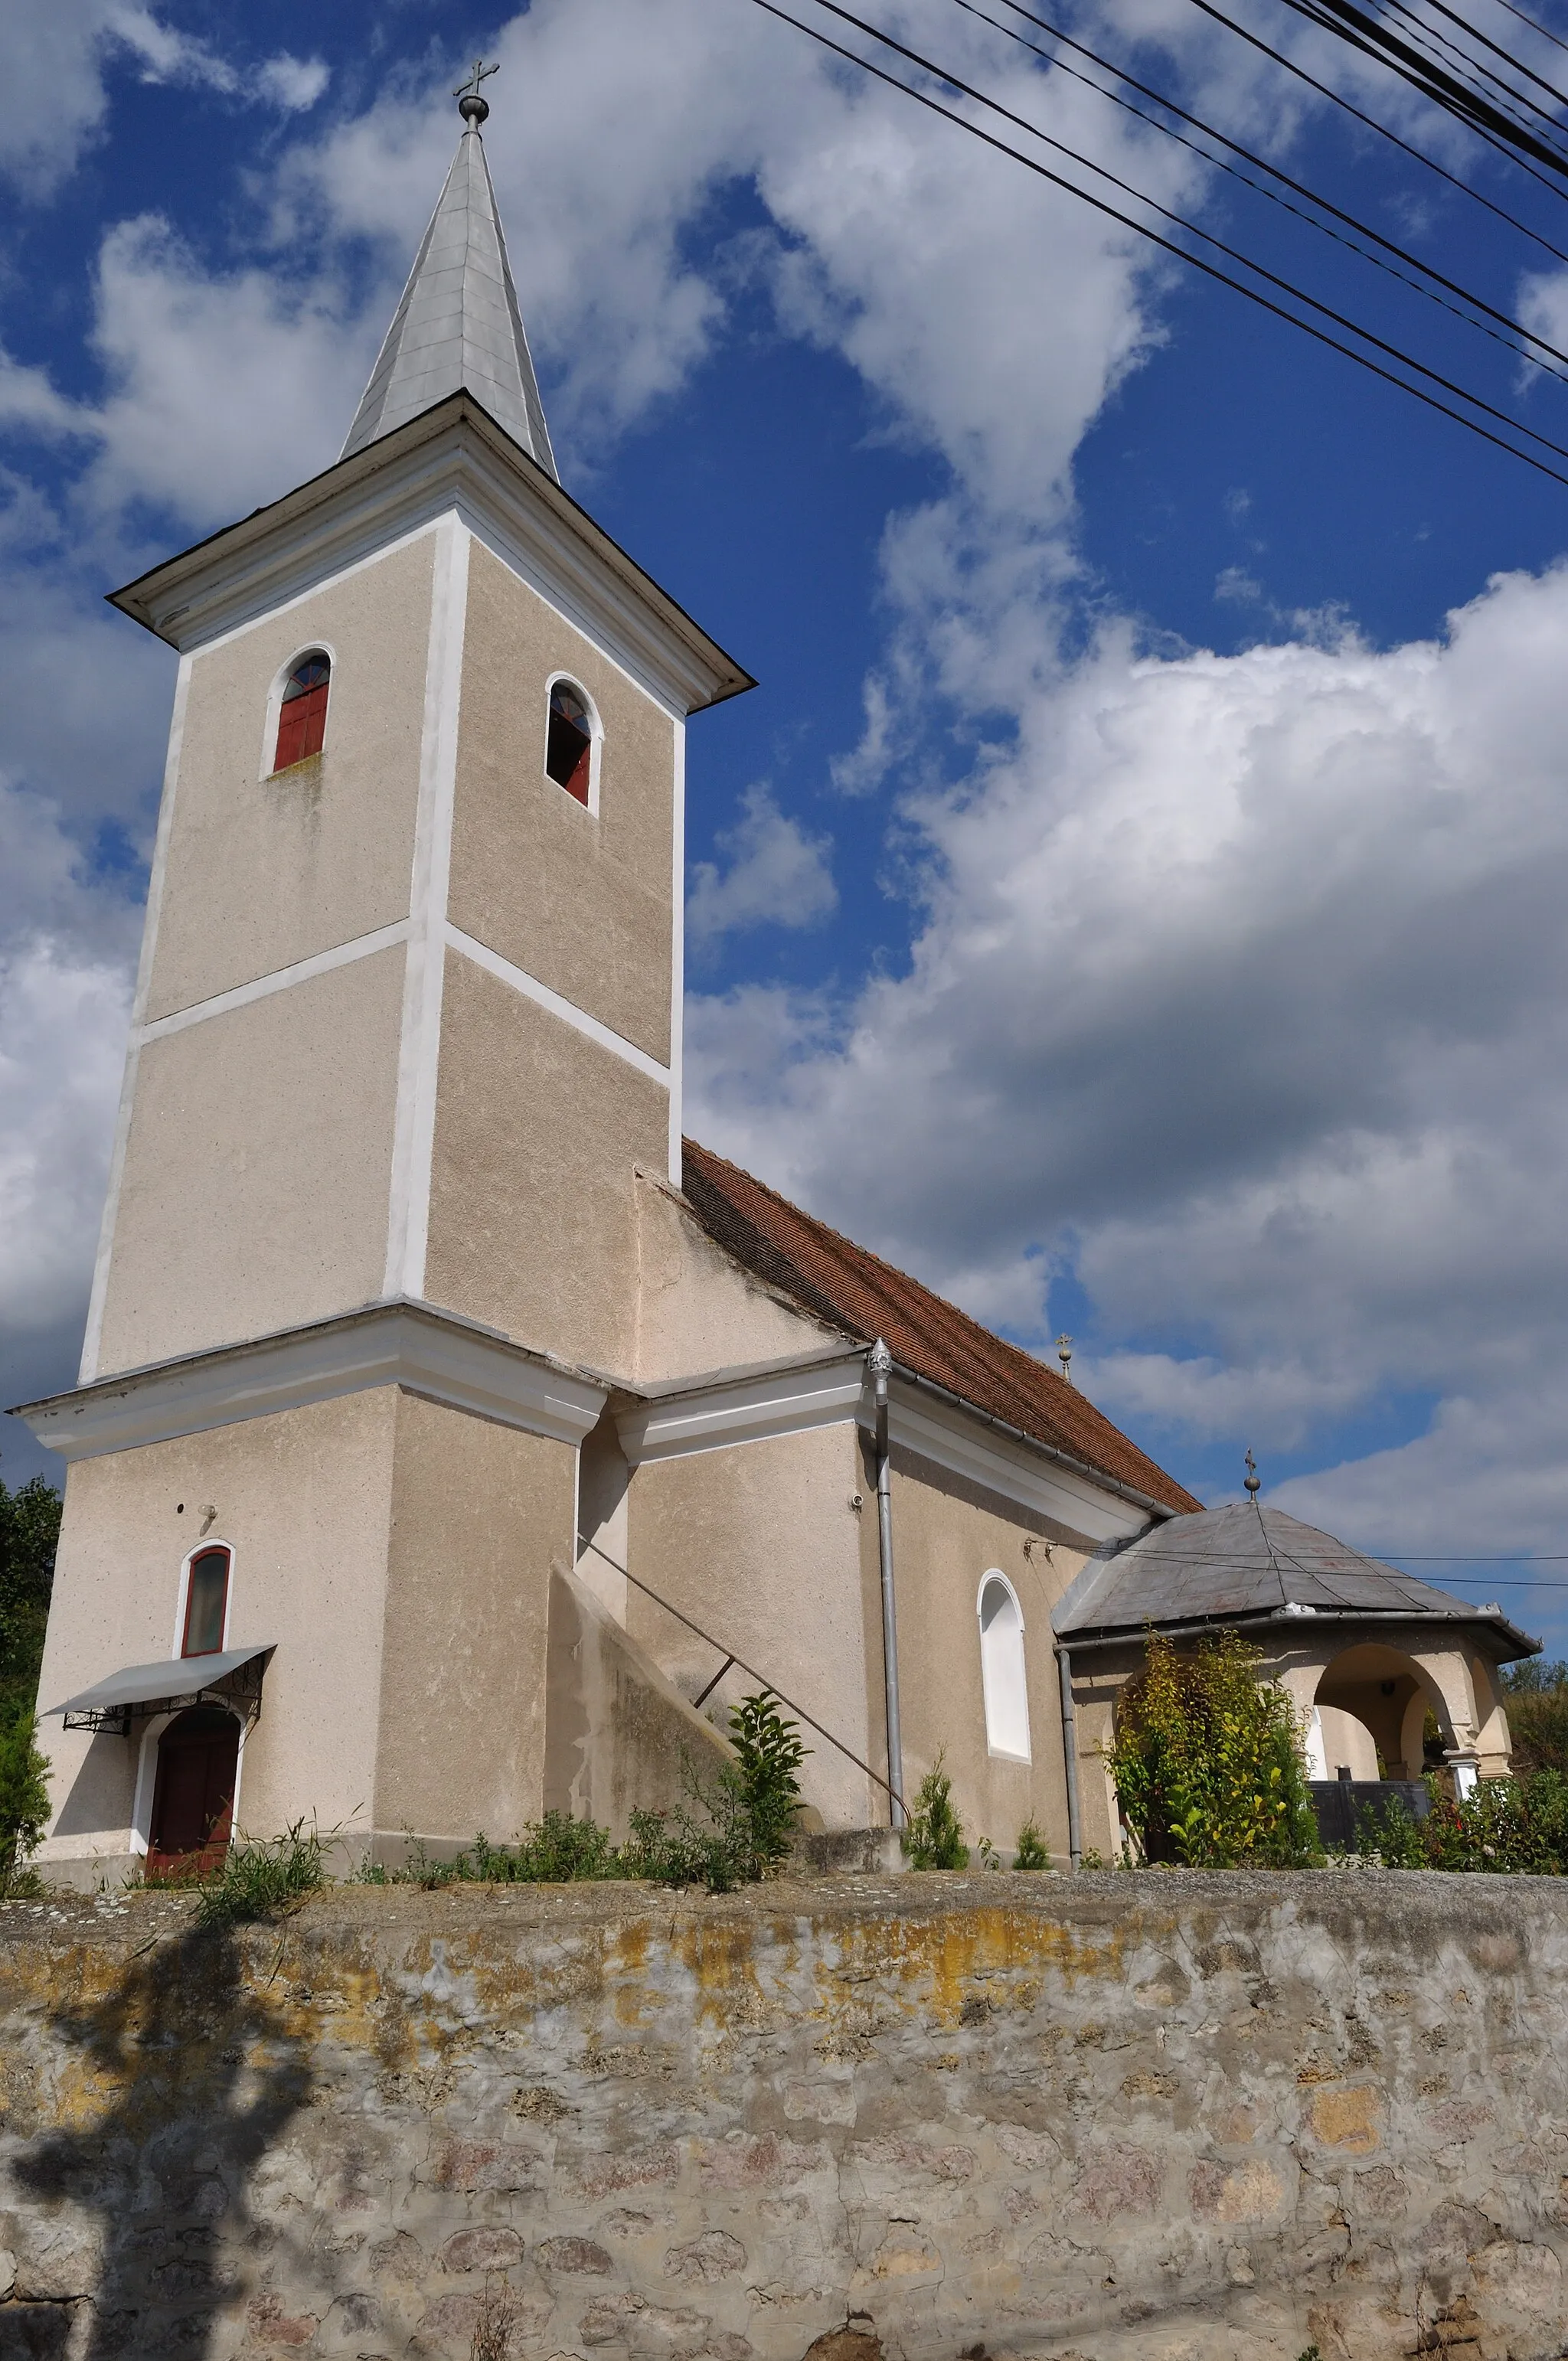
[164,599]
[1121,1635]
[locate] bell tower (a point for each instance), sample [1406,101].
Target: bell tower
[407,1023]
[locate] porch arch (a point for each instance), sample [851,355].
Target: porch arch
[1391,1689]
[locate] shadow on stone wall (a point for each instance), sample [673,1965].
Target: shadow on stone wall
[181,2081]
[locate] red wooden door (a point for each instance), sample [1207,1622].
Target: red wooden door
[192,1798]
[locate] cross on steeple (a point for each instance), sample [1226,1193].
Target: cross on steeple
[470,106]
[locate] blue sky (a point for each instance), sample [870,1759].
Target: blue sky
[1132,898]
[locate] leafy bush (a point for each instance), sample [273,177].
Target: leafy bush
[29,1534]
[1516,1826]
[766,1778]
[1536,1695]
[1030,1850]
[934,1836]
[1208,1762]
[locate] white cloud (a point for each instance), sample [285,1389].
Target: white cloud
[1243,992]
[294,84]
[776,875]
[62,1038]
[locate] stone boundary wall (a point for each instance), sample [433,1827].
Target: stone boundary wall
[1109,2118]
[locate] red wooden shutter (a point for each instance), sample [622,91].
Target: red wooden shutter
[301,726]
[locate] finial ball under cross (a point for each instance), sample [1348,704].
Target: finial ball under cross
[1253,1480]
[470,106]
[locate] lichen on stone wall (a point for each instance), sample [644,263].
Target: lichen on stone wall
[1085,2120]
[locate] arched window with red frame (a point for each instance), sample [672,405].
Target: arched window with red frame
[206,1602]
[302,718]
[569,747]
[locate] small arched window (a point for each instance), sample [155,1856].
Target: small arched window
[569,751]
[206,1603]
[302,717]
[1002,1669]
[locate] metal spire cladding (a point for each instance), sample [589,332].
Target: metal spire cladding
[458,328]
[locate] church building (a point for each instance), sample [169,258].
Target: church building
[455,1440]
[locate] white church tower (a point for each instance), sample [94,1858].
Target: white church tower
[407,1023]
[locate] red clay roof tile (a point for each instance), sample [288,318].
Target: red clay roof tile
[858,1292]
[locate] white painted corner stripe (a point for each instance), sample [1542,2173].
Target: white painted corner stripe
[260,986]
[569,1014]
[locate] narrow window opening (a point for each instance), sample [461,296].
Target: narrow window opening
[568,757]
[302,718]
[1001,1670]
[207,1600]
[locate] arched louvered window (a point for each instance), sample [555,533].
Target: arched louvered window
[1002,1669]
[569,747]
[302,717]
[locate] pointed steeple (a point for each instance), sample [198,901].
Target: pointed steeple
[458,326]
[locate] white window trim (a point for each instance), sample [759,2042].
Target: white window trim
[1003,1753]
[198,1549]
[275,702]
[596,742]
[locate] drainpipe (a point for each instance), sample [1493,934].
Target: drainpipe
[881,1365]
[1069,1756]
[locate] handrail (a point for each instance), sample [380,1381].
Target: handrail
[810,1720]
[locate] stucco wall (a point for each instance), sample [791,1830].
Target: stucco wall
[1149,2118]
[302,1499]
[788,1590]
[257,1170]
[580,900]
[480,1510]
[264,871]
[947,1535]
[532,1223]
[696,1309]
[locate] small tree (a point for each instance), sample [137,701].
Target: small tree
[935,1836]
[29,1531]
[1208,1761]
[768,1756]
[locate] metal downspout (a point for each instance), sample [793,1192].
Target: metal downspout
[1070,1756]
[881,1365]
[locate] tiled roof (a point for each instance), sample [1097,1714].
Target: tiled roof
[866,1298]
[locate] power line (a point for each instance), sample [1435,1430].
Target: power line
[1532,22]
[1489,122]
[1194,262]
[1362,228]
[1370,122]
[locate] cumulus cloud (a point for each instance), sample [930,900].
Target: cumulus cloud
[775,876]
[1242,996]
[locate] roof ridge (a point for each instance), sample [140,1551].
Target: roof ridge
[905,1278]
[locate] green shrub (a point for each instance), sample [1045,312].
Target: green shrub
[935,1836]
[736,1831]
[24,1801]
[1536,1695]
[1208,1762]
[1030,1850]
[766,1778]
[29,1534]
[1507,1827]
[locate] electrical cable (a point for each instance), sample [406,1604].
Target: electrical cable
[1533,23]
[1060,65]
[1352,25]
[1197,262]
[1487,42]
[1427,36]
[1370,122]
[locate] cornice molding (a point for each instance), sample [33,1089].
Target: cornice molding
[716,1412]
[750,1406]
[453,457]
[413,1345]
[965,1444]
